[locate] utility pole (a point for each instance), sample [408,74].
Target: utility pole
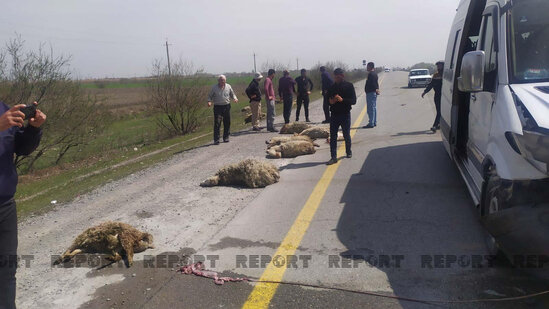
[255,69]
[297,63]
[168,55]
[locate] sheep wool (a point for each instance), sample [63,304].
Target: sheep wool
[277,140]
[249,173]
[294,127]
[317,132]
[291,149]
[115,238]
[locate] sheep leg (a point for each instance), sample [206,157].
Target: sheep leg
[115,257]
[67,256]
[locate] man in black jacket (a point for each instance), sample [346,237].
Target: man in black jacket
[304,88]
[254,93]
[15,138]
[341,96]
[436,85]
[372,91]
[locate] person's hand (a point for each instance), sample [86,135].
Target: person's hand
[236,100]
[253,96]
[377,92]
[12,118]
[38,119]
[271,98]
[209,104]
[338,98]
[422,95]
[308,92]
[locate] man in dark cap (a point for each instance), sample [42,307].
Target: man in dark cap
[327,82]
[342,97]
[286,90]
[304,88]
[436,85]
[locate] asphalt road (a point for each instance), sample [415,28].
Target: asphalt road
[396,219]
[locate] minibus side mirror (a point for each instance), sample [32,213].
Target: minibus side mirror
[472,72]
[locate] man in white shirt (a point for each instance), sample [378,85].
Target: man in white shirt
[220,96]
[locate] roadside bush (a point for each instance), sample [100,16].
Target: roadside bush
[73,118]
[179,98]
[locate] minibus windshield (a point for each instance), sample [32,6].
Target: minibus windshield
[529,41]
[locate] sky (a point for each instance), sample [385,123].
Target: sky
[121,38]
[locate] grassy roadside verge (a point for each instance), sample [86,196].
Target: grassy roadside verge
[34,196]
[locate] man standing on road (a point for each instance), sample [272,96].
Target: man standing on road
[327,82]
[270,98]
[436,84]
[254,93]
[220,96]
[286,90]
[304,88]
[15,139]
[372,91]
[342,97]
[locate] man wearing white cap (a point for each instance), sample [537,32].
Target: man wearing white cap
[254,93]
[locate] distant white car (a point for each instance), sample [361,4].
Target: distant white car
[387,70]
[419,78]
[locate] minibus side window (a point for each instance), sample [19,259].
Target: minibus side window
[488,46]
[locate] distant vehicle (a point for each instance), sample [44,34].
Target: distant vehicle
[387,70]
[495,116]
[419,78]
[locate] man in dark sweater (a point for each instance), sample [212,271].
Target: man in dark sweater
[342,97]
[327,82]
[436,85]
[304,88]
[372,91]
[15,138]
[286,90]
[254,94]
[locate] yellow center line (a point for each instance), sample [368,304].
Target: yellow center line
[262,294]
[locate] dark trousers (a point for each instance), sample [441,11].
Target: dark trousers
[302,99]
[326,107]
[8,254]
[437,106]
[222,113]
[288,100]
[343,121]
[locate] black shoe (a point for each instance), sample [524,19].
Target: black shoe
[272,130]
[369,126]
[297,119]
[216,142]
[256,129]
[349,155]
[332,161]
[307,120]
[326,121]
[434,129]
[226,140]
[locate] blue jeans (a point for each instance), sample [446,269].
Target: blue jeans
[371,99]
[337,120]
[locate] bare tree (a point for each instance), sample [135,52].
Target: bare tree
[178,97]
[73,117]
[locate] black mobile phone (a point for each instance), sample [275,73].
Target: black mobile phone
[29,110]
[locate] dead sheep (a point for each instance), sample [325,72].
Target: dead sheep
[249,173]
[246,109]
[317,132]
[277,140]
[340,137]
[291,149]
[248,118]
[295,127]
[118,239]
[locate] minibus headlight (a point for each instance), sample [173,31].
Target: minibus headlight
[534,146]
